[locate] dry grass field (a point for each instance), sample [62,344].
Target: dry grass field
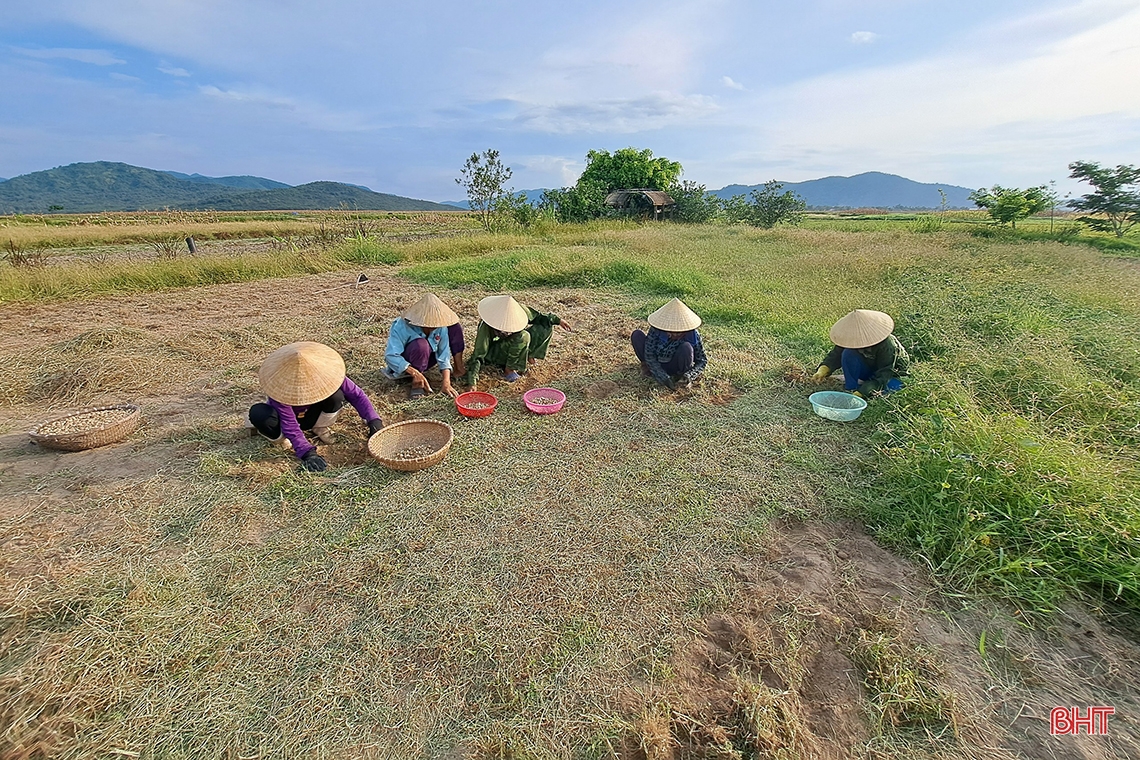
[647,574]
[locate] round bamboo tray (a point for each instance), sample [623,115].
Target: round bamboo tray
[411,445]
[88,428]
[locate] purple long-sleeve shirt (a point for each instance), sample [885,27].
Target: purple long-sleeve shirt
[291,429]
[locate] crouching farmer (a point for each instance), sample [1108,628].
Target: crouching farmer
[306,387]
[672,351]
[427,334]
[871,357]
[509,337]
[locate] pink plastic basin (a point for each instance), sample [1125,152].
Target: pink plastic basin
[552,393]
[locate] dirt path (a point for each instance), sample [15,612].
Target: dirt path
[801,639]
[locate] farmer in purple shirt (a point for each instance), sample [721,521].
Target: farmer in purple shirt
[306,387]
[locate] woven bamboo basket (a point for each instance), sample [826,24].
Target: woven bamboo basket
[88,428]
[395,446]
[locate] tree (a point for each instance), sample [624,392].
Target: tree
[484,177]
[605,172]
[1118,206]
[694,204]
[767,207]
[629,168]
[1008,204]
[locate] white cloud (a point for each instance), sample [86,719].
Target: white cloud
[731,84]
[623,116]
[565,169]
[123,77]
[864,38]
[967,109]
[306,113]
[82,55]
[174,72]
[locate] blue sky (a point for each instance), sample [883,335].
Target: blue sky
[396,95]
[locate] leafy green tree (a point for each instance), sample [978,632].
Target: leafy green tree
[1006,205]
[1117,205]
[484,178]
[629,168]
[765,208]
[694,204]
[623,169]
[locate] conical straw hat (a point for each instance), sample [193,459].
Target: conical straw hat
[301,373]
[503,313]
[675,316]
[429,311]
[862,328]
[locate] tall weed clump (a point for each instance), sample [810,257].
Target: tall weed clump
[1012,460]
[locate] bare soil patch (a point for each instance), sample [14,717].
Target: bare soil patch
[781,672]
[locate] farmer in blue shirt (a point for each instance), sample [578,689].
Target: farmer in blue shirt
[428,333]
[672,351]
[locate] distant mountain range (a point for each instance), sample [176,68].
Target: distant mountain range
[532,197]
[867,190]
[108,186]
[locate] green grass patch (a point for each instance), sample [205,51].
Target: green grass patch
[126,276]
[1010,463]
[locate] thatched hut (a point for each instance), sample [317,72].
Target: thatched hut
[653,204]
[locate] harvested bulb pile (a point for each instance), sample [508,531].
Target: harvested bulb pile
[544,400]
[85,422]
[413,452]
[477,405]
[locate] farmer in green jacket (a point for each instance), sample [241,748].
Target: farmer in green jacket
[871,357]
[510,336]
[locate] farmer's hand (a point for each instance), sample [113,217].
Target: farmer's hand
[374,427]
[314,462]
[566,326]
[446,388]
[821,373]
[418,379]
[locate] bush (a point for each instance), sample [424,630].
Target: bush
[926,224]
[581,203]
[767,207]
[694,205]
[510,211]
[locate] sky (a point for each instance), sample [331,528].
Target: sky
[396,95]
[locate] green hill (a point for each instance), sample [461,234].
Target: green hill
[100,186]
[318,195]
[110,186]
[867,190]
[244,181]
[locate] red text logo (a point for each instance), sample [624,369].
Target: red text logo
[1066,721]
